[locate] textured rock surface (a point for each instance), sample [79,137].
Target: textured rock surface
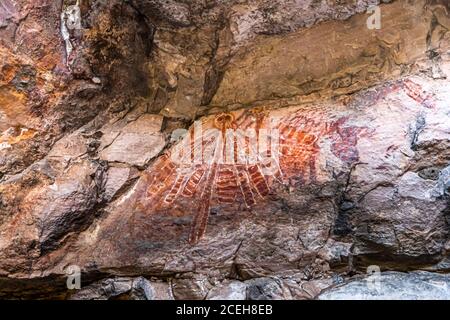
[124,289]
[393,286]
[103,164]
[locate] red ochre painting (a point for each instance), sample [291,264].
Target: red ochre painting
[237,158]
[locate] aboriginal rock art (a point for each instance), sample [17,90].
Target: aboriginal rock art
[412,89]
[238,157]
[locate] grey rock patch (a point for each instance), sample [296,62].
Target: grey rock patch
[393,286]
[104,290]
[137,143]
[125,288]
[228,290]
[116,178]
[195,288]
[443,185]
[413,186]
[265,289]
[142,290]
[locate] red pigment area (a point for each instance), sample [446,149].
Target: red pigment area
[216,182]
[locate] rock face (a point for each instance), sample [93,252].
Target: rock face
[124,289]
[228,150]
[393,286]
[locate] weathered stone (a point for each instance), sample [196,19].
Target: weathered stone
[116,179]
[105,289]
[124,289]
[305,290]
[142,290]
[265,74]
[67,204]
[411,185]
[393,286]
[228,290]
[336,253]
[195,288]
[103,164]
[265,289]
[137,143]
[162,291]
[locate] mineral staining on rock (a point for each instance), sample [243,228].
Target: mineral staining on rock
[243,150]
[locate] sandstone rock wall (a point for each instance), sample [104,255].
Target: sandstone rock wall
[221,149]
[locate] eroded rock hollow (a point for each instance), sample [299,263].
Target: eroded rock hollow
[215,149]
